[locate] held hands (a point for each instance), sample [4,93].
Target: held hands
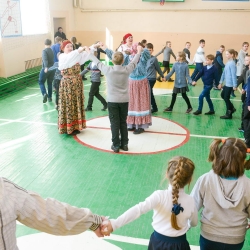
[234,89]
[219,86]
[243,91]
[106,228]
[248,107]
[193,83]
[163,79]
[45,70]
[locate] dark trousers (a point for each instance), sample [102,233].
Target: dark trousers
[206,93]
[198,68]
[152,84]
[246,124]
[49,76]
[206,244]
[118,118]
[225,95]
[219,74]
[94,91]
[243,99]
[56,86]
[185,97]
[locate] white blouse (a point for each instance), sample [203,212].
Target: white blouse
[68,60]
[161,203]
[125,47]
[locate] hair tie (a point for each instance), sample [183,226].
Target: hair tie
[176,209]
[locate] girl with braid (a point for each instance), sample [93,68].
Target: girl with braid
[174,210]
[224,196]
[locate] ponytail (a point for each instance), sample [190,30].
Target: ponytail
[214,150]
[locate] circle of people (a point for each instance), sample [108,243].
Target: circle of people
[130,81]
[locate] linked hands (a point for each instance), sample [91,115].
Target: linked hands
[106,227]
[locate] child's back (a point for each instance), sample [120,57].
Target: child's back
[224,195]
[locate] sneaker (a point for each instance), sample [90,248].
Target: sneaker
[88,109]
[104,108]
[84,78]
[168,109]
[50,99]
[124,147]
[189,110]
[234,110]
[115,149]
[154,110]
[210,113]
[197,112]
[241,130]
[45,97]
[138,131]
[170,80]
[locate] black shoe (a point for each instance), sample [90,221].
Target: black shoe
[45,97]
[50,99]
[75,132]
[88,109]
[228,115]
[124,147]
[131,129]
[101,75]
[241,129]
[234,110]
[84,78]
[170,80]
[168,109]
[115,149]
[154,110]
[210,113]
[189,110]
[104,108]
[197,112]
[138,131]
[233,95]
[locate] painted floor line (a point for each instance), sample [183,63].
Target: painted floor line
[55,124]
[153,132]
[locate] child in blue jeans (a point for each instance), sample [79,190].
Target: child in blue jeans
[209,75]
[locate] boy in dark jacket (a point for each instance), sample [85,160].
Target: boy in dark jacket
[209,74]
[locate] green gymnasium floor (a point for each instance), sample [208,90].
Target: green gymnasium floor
[35,156]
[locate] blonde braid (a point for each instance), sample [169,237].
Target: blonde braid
[175,192]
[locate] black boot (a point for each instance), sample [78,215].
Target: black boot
[228,115]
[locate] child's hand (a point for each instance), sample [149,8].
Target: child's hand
[219,86]
[193,83]
[163,79]
[139,49]
[106,228]
[234,89]
[243,91]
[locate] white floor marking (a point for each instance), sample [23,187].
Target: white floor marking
[45,112]
[32,88]
[27,97]
[13,144]
[85,241]
[164,135]
[5,123]
[30,122]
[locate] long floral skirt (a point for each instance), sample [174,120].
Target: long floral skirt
[139,113]
[71,114]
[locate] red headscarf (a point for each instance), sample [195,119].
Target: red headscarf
[125,37]
[64,43]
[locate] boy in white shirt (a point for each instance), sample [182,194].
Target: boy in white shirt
[199,59]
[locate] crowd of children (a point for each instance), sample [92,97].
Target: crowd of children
[142,79]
